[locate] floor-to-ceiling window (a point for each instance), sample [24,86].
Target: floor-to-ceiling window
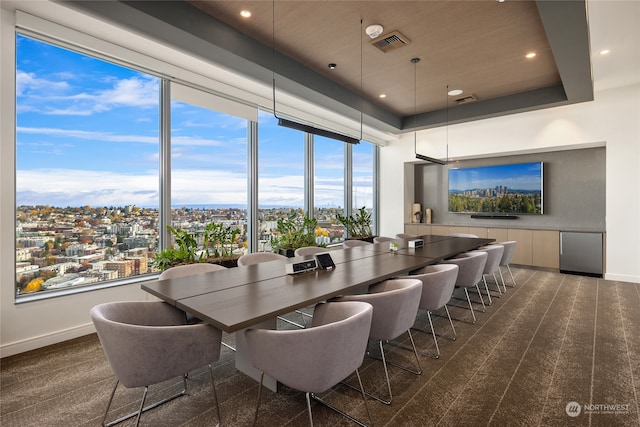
[91,186]
[86,168]
[280,176]
[208,172]
[329,187]
[363,168]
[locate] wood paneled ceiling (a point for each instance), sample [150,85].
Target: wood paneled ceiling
[477,46]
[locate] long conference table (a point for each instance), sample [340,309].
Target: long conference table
[253,296]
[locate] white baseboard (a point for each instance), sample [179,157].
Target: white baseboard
[33,343]
[622,278]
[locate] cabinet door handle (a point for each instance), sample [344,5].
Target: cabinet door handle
[560,244]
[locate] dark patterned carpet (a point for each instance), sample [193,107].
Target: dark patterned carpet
[551,340]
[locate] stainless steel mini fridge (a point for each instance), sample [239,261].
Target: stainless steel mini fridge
[581,253]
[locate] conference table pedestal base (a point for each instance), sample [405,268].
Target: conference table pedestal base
[243,359]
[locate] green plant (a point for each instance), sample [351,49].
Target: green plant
[217,246]
[358,225]
[186,242]
[295,232]
[218,240]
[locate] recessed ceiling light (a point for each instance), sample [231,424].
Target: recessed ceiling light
[383,95]
[530,55]
[245,14]
[332,66]
[454,92]
[604,52]
[500,1]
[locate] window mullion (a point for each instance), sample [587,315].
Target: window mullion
[309,174]
[252,184]
[348,179]
[164,217]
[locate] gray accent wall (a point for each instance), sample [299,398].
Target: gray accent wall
[573,195]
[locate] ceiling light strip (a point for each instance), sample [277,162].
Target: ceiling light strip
[316,131]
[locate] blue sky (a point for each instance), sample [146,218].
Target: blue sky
[521,176]
[88,130]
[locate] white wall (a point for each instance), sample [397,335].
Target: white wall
[612,118]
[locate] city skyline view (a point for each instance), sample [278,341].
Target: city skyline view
[520,176]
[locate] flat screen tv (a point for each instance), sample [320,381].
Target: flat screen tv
[501,189]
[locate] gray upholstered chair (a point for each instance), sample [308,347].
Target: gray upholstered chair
[315,359]
[189,270]
[347,244]
[148,342]
[309,250]
[395,306]
[507,255]
[470,268]
[258,257]
[382,239]
[406,236]
[494,255]
[438,282]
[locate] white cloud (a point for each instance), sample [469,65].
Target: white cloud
[139,91]
[87,135]
[73,187]
[26,82]
[110,137]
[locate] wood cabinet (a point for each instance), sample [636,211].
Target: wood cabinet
[524,248]
[546,248]
[537,248]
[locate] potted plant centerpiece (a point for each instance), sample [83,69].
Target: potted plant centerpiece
[358,225]
[294,232]
[217,247]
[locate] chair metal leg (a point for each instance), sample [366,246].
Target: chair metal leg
[309,409]
[484,308]
[415,353]
[386,369]
[435,340]
[144,397]
[450,322]
[215,395]
[228,346]
[511,274]
[341,412]
[470,305]
[255,417]
[504,285]
[386,374]
[304,316]
[433,332]
[142,408]
[291,322]
[338,410]
[106,412]
[366,406]
[486,287]
[495,279]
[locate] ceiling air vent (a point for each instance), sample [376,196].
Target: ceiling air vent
[466,99]
[391,41]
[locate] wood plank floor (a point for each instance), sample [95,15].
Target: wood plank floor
[551,340]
